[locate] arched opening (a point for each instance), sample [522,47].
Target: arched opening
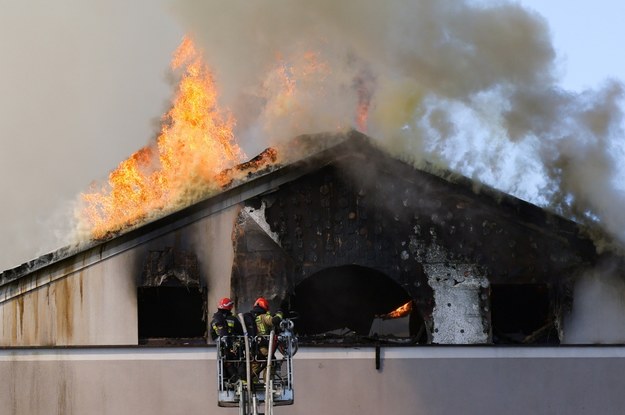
[347,297]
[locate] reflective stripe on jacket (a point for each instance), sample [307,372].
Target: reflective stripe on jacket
[264,323]
[224,324]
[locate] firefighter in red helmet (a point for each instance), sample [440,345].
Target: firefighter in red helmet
[263,318]
[225,326]
[224,323]
[259,321]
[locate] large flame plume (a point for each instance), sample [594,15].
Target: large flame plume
[196,143]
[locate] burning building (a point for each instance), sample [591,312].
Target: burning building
[343,237]
[405,279]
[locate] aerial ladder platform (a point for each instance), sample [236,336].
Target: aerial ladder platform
[255,373]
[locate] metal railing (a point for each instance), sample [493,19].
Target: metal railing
[256,369]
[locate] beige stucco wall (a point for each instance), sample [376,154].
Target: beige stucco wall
[426,380]
[215,251]
[96,305]
[211,240]
[90,299]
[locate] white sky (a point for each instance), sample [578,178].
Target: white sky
[83,84]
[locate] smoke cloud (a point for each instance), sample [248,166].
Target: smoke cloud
[82,87]
[472,86]
[598,315]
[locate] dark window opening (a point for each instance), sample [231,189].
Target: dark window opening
[172,314]
[521,313]
[171,301]
[346,300]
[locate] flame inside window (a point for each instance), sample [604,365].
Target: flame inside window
[401,311]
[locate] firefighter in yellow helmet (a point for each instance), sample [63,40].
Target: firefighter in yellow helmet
[259,322]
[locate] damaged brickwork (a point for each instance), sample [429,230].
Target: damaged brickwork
[438,239]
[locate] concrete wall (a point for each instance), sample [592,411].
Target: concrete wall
[415,380]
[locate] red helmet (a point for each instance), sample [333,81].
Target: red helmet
[225,304]
[262,303]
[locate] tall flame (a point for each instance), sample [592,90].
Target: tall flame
[364,85]
[196,142]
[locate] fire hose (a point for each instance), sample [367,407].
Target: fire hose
[248,369]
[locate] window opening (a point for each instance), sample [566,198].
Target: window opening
[521,313]
[346,303]
[171,302]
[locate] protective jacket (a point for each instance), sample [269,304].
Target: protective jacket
[224,324]
[264,320]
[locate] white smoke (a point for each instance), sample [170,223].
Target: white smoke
[472,86]
[598,315]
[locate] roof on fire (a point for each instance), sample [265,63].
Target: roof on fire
[313,152]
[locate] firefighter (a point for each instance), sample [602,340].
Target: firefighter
[259,322]
[263,318]
[226,327]
[224,323]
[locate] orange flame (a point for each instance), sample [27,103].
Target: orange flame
[364,84]
[286,83]
[295,86]
[362,116]
[195,144]
[401,311]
